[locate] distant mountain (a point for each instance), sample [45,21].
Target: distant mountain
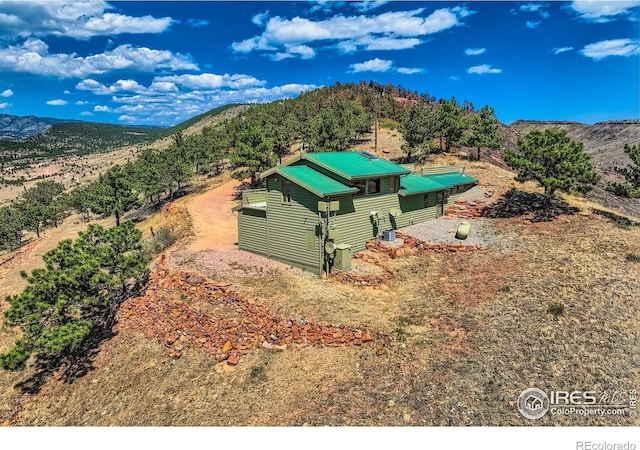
[16,128]
[73,138]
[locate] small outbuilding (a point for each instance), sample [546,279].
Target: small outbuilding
[319,208]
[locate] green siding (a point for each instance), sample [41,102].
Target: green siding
[252,228]
[288,225]
[253,196]
[439,170]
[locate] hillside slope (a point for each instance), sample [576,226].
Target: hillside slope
[605,142]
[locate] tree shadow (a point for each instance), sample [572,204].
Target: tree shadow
[69,369]
[72,368]
[516,203]
[244,185]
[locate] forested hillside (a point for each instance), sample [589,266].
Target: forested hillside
[74,138]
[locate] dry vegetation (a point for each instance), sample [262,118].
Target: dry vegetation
[467,333]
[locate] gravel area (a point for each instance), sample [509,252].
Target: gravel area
[476,194]
[222,263]
[443,231]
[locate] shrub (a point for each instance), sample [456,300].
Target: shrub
[164,238]
[556,307]
[632,257]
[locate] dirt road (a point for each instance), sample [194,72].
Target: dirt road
[214,224]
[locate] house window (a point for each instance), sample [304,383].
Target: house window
[286,191]
[393,184]
[426,200]
[373,186]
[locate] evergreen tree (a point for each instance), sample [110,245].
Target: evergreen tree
[631,186]
[38,204]
[554,160]
[483,130]
[116,191]
[418,129]
[12,222]
[450,122]
[75,296]
[253,152]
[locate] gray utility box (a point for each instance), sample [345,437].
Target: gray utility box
[389,236]
[342,260]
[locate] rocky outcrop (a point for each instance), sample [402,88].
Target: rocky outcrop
[16,128]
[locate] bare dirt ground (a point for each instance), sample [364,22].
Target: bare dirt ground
[468,332]
[214,224]
[70,170]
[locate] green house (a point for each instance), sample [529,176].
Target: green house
[320,208]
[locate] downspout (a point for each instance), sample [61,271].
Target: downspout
[267,223]
[320,246]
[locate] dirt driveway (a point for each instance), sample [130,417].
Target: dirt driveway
[214,224]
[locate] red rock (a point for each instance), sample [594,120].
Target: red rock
[233,359]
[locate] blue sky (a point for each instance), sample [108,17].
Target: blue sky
[159,63]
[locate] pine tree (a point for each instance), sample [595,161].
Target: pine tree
[418,129]
[631,186]
[75,296]
[483,130]
[116,191]
[554,160]
[450,122]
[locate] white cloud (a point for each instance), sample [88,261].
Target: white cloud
[532,24]
[368,5]
[4,105]
[80,19]
[81,102]
[67,92]
[212,81]
[558,50]
[474,51]
[454,78]
[604,11]
[531,7]
[377,43]
[57,102]
[387,31]
[126,118]
[260,19]
[197,23]
[612,47]
[32,56]
[409,70]
[373,65]
[169,108]
[482,69]
[6,93]
[86,113]
[292,51]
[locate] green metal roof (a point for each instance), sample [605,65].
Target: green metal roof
[420,184]
[352,165]
[452,179]
[314,181]
[417,184]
